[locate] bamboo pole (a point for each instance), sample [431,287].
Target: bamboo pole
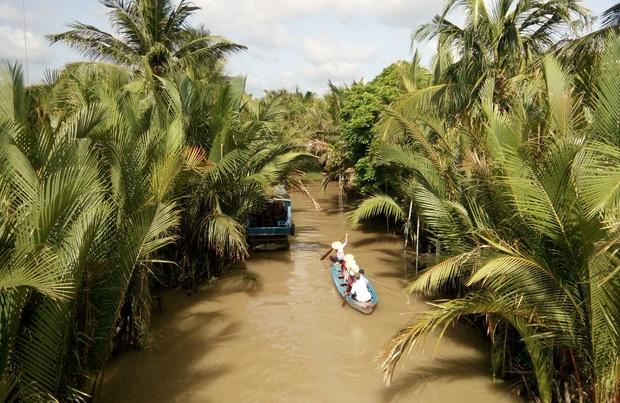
[417,245]
[408,224]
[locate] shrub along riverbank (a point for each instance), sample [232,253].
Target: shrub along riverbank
[115,178]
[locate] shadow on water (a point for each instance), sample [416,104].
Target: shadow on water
[258,256]
[440,370]
[329,205]
[191,327]
[307,229]
[388,255]
[238,279]
[389,274]
[471,361]
[187,344]
[425,374]
[386,239]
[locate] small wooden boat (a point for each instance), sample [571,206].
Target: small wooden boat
[363,307]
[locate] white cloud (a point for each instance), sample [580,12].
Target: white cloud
[266,54]
[13,45]
[265,23]
[9,13]
[241,21]
[405,12]
[290,42]
[319,50]
[308,42]
[287,79]
[335,60]
[338,72]
[257,83]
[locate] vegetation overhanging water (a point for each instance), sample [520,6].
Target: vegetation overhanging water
[136,171]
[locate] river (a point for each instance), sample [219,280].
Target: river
[275,330]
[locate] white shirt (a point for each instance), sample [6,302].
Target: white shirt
[360,289]
[364,279]
[340,251]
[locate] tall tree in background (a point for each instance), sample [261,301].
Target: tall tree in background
[499,39]
[582,55]
[152,36]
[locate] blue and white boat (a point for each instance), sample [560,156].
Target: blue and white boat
[341,287]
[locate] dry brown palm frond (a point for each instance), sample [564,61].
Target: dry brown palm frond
[403,341]
[476,163]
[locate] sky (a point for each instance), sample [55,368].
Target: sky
[291,43]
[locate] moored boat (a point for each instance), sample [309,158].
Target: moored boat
[341,287]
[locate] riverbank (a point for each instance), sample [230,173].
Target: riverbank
[274,331]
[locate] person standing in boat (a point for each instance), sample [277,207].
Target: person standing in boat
[359,289]
[339,248]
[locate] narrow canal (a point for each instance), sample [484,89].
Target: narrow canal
[275,331]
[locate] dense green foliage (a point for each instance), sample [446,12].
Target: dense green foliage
[114,177]
[119,178]
[360,111]
[511,162]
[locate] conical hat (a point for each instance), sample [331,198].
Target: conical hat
[336,245]
[349,258]
[353,266]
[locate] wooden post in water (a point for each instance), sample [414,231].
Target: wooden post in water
[417,244]
[408,225]
[340,192]
[407,234]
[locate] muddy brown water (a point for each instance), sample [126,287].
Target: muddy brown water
[275,331]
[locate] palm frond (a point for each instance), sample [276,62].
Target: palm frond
[606,123]
[445,313]
[374,206]
[96,44]
[444,275]
[225,236]
[598,174]
[12,96]
[561,102]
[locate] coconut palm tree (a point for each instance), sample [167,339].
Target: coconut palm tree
[152,36]
[583,54]
[528,225]
[499,39]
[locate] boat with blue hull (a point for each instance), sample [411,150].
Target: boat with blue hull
[274,224]
[341,287]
